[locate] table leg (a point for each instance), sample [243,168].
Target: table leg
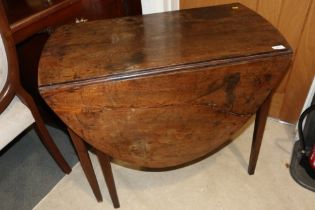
[260,122]
[107,171]
[86,164]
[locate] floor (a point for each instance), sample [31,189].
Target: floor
[217,182]
[28,172]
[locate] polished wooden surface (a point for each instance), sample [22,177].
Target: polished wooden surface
[27,17]
[133,44]
[103,9]
[290,17]
[17,10]
[164,89]
[32,22]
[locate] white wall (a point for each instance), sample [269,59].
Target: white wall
[154,6]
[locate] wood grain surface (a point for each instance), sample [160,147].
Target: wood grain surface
[131,44]
[291,23]
[167,119]
[290,18]
[161,90]
[302,73]
[186,4]
[29,17]
[270,9]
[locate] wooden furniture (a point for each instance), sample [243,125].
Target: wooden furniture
[28,17]
[17,108]
[295,20]
[162,90]
[32,21]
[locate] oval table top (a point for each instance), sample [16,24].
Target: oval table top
[142,44]
[163,89]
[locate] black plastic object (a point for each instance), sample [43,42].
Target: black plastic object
[298,172]
[300,167]
[306,151]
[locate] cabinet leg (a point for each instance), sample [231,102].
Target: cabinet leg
[109,179]
[86,164]
[260,122]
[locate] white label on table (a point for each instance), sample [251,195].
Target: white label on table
[278,47]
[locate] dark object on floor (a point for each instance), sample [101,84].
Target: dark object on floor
[305,163]
[307,151]
[298,172]
[302,169]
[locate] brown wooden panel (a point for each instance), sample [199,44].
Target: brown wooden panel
[291,23]
[302,73]
[17,10]
[276,104]
[289,16]
[292,20]
[270,9]
[28,19]
[134,44]
[163,89]
[185,4]
[34,16]
[155,121]
[101,9]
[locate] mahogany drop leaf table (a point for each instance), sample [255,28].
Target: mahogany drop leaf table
[165,89]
